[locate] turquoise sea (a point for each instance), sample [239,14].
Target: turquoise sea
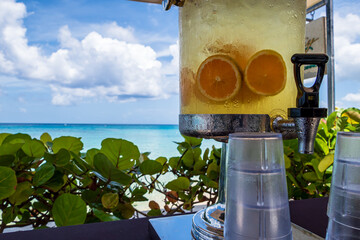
[157,139]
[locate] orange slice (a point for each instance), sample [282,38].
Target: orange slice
[265,74]
[218,78]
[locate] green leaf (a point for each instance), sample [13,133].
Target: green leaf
[7,182]
[206,155]
[208,182]
[28,160]
[321,146]
[323,129]
[194,142]
[43,174]
[139,199]
[125,211]
[215,153]
[188,158]
[213,171]
[8,215]
[139,191]
[17,138]
[310,176]
[25,216]
[292,179]
[154,212]
[103,216]
[33,148]
[287,162]
[60,159]
[353,114]
[72,144]
[80,163]
[90,155]
[161,160]
[45,138]
[329,170]
[110,200]
[91,196]
[333,143]
[23,191]
[3,136]
[173,162]
[330,121]
[342,123]
[41,207]
[326,162]
[150,167]
[108,171]
[69,209]
[199,165]
[10,148]
[183,146]
[121,153]
[181,183]
[56,182]
[7,160]
[311,188]
[315,163]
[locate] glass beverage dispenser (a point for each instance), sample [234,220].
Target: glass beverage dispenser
[237,72]
[237,64]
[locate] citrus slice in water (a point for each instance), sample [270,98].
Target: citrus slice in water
[218,78]
[265,74]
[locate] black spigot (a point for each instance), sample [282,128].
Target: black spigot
[307,114]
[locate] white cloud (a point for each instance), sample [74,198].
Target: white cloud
[107,64]
[352,97]
[347,46]
[113,30]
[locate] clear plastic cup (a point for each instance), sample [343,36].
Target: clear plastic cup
[257,204]
[344,202]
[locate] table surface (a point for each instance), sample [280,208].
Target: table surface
[309,214]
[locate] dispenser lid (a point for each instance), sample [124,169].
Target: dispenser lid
[309,3]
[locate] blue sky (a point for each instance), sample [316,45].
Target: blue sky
[116,61]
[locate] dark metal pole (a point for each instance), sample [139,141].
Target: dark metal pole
[222,180]
[330,53]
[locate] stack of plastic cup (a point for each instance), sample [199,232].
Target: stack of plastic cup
[344,202]
[257,204]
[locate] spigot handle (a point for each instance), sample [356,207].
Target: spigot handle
[308,97]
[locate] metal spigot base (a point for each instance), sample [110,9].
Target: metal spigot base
[209,223]
[219,126]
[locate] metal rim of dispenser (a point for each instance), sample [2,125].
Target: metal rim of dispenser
[219,126]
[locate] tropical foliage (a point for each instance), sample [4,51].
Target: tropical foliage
[43,180]
[47,179]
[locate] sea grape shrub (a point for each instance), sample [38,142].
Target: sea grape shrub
[43,180]
[309,176]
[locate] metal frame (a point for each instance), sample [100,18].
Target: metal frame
[329,48]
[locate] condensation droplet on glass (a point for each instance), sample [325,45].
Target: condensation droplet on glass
[227,104]
[236,103]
